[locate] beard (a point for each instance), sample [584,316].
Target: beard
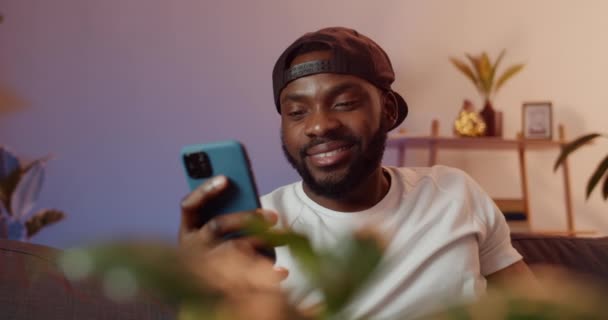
[365,161]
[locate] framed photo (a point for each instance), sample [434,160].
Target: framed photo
[537,120]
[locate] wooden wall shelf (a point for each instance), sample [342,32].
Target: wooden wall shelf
[402,142]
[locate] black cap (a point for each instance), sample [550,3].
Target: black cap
[352,53]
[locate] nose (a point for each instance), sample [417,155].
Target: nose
[320,123]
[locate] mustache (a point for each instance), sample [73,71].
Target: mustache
[334,137]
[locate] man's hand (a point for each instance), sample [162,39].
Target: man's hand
[207,239]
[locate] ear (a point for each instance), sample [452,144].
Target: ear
[389,109]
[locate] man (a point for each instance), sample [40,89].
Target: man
[444,235]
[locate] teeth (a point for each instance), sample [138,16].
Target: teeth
[330,153]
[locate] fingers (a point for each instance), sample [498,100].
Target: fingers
[197,199]
[234,222]
[263,276]
[248,244]
[281,272]
[235,268]
[223,225]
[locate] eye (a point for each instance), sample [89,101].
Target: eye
[296,114]
[346,105]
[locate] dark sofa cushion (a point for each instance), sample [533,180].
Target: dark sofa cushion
[33,287]
[583,255]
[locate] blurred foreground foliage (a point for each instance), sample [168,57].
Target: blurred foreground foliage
[220,288]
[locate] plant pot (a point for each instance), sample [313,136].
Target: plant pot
[491,118]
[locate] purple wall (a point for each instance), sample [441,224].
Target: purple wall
[115,88]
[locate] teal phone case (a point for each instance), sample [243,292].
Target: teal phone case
[230,159]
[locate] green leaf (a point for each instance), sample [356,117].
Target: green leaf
[573,146]
[8,163]
[485,73]
[510,72]
[30,165]
[42,219]
[496,64]
[476,62]
[3,224]
[299,246]
[605,188]
[331,271]
[10,180]
[348,271]
[27,190]
[597,175]
[7,187]
[464,68]
[156,267]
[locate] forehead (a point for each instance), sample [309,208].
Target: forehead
[322,84]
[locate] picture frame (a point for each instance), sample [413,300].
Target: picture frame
[537,120]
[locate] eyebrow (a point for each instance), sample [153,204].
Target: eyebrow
[340,88]
[293,97]
[345,86]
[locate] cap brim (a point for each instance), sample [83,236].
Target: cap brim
[402,110]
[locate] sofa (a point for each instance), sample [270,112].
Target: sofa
[32,286]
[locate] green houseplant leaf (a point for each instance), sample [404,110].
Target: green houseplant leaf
[9,176]
[348,272]
[3,221]
[332,272]
[485,74]
[605,189]
[495,66]
[27,190]
[476,62]
[7,186]
[510,72]
[597,176]
[573,146]
[464,68]
[8,163]
[44,160]
[155,266]
[497,62]
[42,219]
[299,246]
[159,269]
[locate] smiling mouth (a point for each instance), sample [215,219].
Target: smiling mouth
[330,154]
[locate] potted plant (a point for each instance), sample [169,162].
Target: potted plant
[483,74]
[20,186]
[600,171]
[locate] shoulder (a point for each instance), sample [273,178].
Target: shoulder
[457,186]
[441,184]
[442,177]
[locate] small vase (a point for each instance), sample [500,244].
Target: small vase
[489,117]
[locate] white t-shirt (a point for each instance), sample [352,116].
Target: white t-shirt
[443,235]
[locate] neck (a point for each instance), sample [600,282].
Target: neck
[363,196]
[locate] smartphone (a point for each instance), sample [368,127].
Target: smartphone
[228,158]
